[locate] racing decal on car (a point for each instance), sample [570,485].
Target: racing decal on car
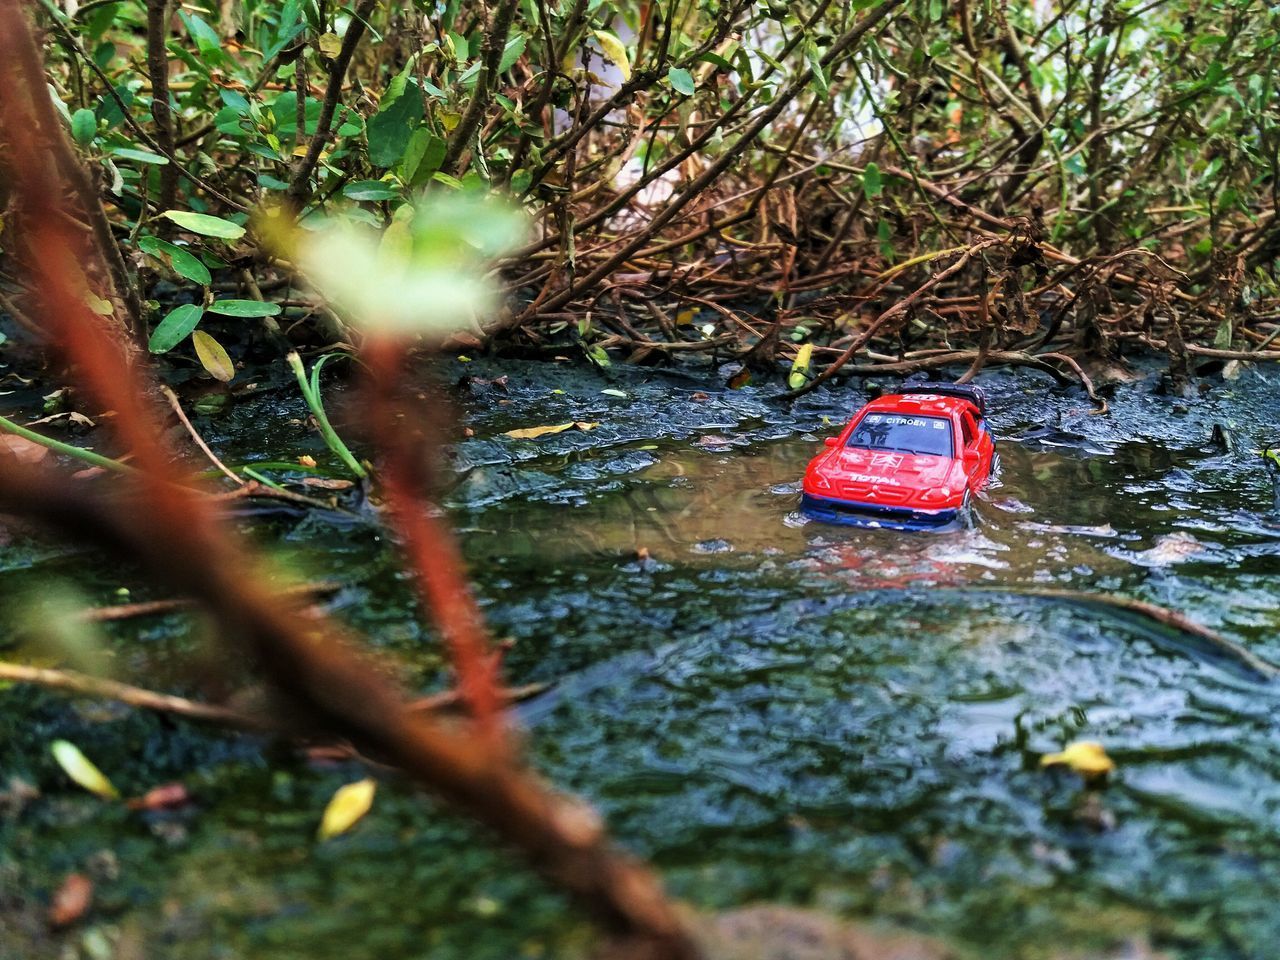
[886,460]
[898,421]
[873,478]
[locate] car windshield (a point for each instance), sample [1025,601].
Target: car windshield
[894,431]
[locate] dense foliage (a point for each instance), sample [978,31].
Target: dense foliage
[697,154]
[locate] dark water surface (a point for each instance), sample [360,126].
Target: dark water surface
[770,709]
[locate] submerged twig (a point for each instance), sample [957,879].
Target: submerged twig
[103,689]
[147,608]
[1161,615]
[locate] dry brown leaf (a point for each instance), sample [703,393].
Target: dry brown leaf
[79,419]
[306,461]
[71,901]
[327,483]
[26,451]
[164,797]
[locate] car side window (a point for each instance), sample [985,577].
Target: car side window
[967,430]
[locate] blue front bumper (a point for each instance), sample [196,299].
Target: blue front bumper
[854,514]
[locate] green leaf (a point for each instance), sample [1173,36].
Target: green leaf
[422,157]
[81,770]
[388,130]
[108,110]
[871,183]
[285,110]
[205,225]
[213,357]
[512,52]
[175,327]
[206,38]
[184,263]
[884,233]
[812,54]
[139,156]
[719,61]
[370,190]
[244,308]
[681,81]
[598,355]
[1222,338]
[84,126]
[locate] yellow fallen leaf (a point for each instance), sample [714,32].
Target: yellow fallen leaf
[532,433]
[1085,757]
[800,367]
[685,317]
[81,770]
[212,356]
[350,802]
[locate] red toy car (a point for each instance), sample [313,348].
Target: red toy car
[906,461]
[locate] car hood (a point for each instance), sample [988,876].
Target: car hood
[888,477]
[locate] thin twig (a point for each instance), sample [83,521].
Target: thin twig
[150,608]
[213,458]
[133,696]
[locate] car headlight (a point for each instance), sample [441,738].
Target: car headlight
[936,495]
[820,482]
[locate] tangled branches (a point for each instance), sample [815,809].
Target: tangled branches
[785,172]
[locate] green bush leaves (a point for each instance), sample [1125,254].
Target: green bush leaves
[174,328]
[185,264]
[244,308]
[681,81]
[205,225]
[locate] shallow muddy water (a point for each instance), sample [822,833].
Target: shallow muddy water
[769,708]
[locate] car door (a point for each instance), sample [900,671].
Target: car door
[969,452]
[976,450]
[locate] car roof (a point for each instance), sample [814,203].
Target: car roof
[925,404]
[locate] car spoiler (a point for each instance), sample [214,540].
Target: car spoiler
[961,390]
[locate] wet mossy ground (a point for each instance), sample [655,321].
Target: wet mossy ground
[772,711]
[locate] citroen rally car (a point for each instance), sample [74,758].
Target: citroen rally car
[906,461]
